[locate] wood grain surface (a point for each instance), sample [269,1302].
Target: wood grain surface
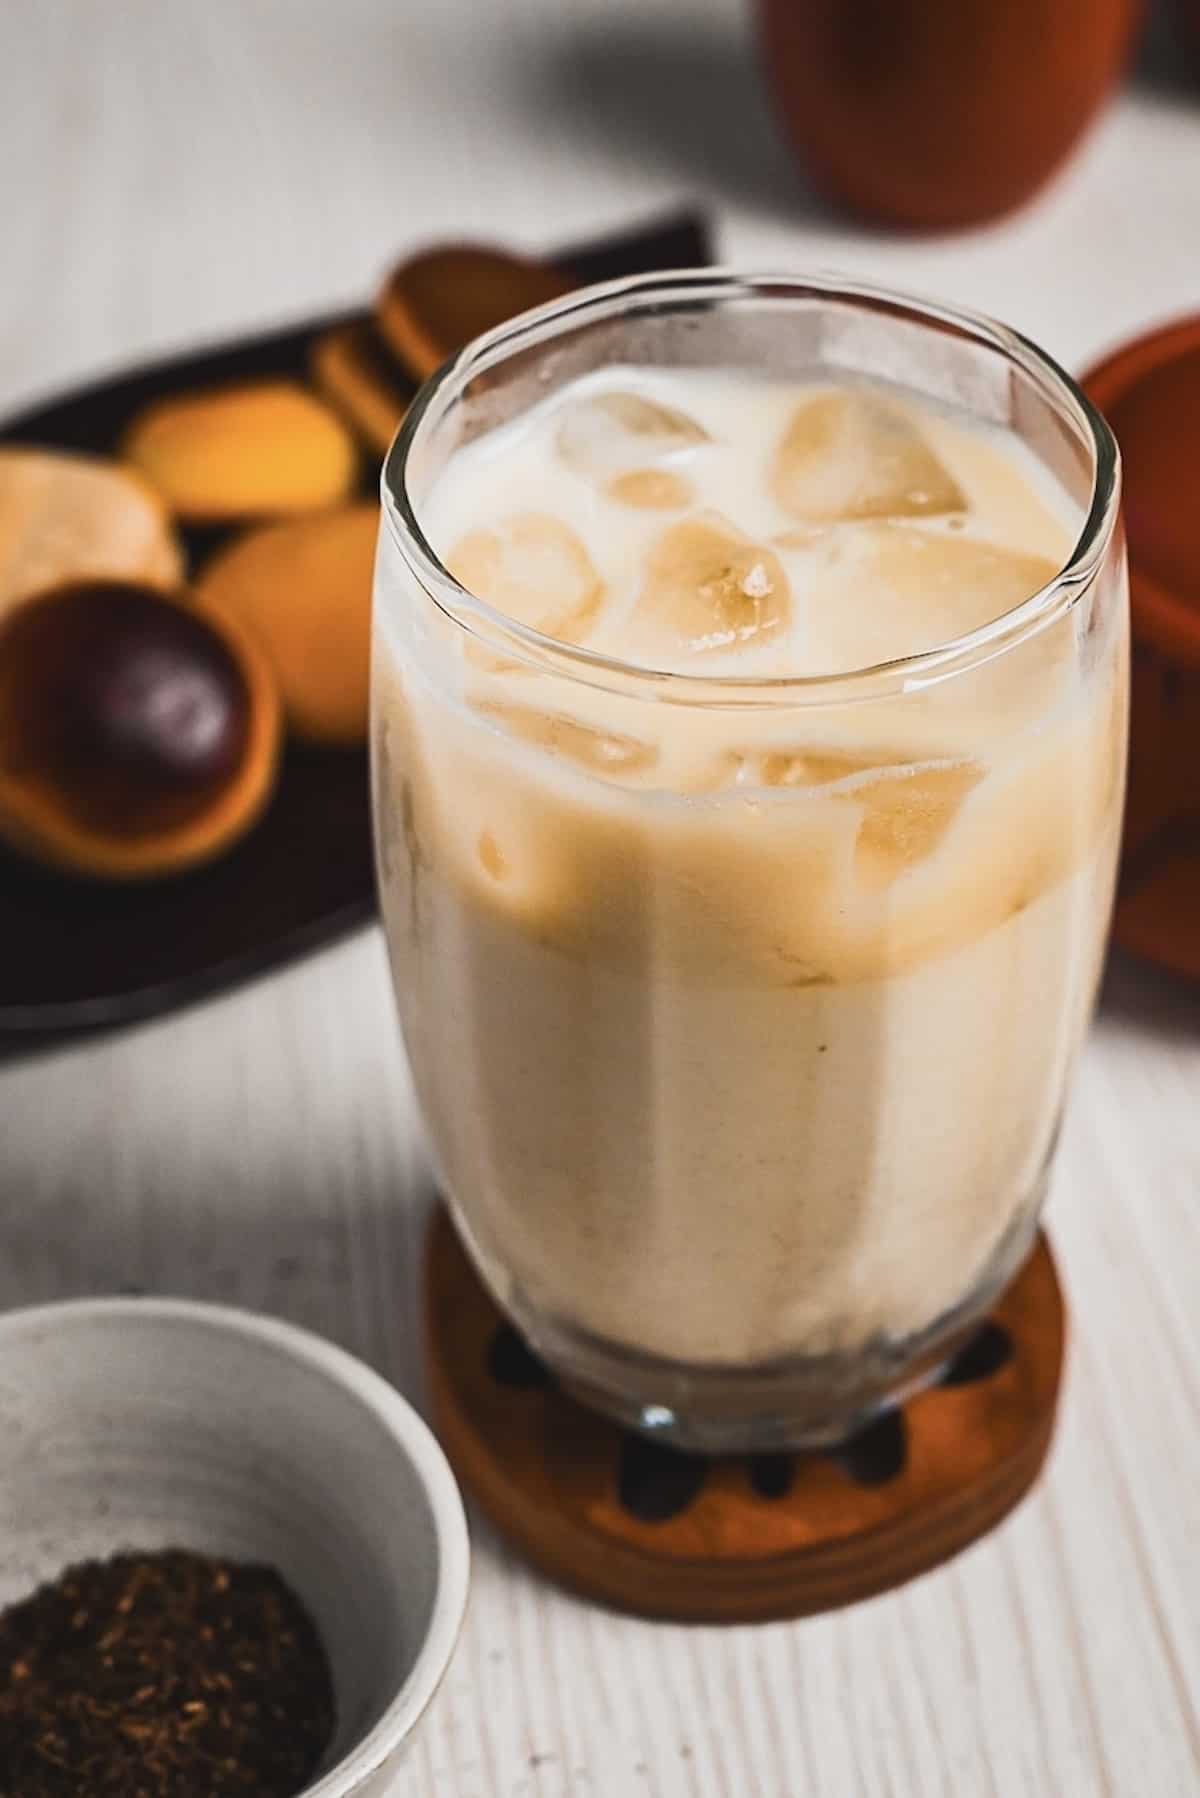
[175,173]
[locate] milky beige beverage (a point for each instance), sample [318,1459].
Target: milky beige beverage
[741,1000]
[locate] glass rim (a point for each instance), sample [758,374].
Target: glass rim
[684,288]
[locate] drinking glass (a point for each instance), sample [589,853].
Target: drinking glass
[744,1092]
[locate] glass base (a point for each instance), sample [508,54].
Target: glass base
[802,1402]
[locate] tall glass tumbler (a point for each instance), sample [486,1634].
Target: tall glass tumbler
[744,1125]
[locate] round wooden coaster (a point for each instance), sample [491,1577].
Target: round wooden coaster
[649,1529]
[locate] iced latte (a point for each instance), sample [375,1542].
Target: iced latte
[749,744]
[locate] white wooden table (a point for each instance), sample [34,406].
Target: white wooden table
[174,172]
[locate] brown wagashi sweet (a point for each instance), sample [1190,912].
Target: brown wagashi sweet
[351,369]
[435,302]
[139,733]
[257,449]
[66,517]
[930,114]
[303,590]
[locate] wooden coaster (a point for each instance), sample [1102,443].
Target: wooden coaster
[664,1534]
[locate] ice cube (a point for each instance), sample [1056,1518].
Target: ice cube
[803,767]
[708,586]
[802,537]
[906,807]
[848,454]
[610,434]
[906,814]
[894,590]
[651,490]
[597,751]
[815,767]
[533,568]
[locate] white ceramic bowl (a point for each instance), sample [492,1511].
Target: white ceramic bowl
[146,1423]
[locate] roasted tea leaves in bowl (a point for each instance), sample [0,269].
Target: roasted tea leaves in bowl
[168,1674]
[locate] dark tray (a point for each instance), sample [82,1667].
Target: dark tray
[79,954]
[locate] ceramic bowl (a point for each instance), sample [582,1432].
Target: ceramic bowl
[146,1423]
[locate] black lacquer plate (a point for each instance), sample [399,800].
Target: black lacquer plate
[77,955]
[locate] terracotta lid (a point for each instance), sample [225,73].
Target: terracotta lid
[1150,393]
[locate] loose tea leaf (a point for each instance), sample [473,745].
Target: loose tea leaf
[163,1675]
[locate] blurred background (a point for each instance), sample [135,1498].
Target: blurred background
[188,171]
